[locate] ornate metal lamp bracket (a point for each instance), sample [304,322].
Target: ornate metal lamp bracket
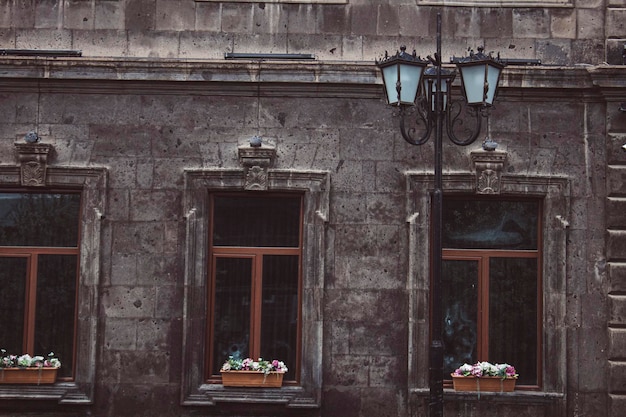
[33,159]
[256,160]
[488,166]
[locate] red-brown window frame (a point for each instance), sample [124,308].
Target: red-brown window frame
[32,253]
[256,254]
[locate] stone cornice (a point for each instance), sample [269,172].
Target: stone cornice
[272,78]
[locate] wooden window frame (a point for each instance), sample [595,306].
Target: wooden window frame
[256,254]
[483,256]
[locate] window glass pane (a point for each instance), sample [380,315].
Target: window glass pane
[55,311]
[279,312]
[231,323]
[490,224]
[260,222]
[513,315]
[460,301]
[39,219]
[12,303]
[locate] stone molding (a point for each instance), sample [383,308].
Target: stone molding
[256,161]
[315,186]
[488,166]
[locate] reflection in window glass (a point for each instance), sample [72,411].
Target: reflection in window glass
[39,219]
[513,315]
[231,324]
[12,302]
[279,326]
[460,328]
[490,224]
[54,318]
[260,222]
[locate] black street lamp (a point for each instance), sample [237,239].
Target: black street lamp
[404,75]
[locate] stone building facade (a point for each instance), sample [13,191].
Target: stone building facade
[150,122]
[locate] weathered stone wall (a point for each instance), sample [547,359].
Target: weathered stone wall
[146,133]
[148,120]
[358,30]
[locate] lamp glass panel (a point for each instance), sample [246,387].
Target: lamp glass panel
[473,83]
[493,76]
[410,77]
[390,76]
[430,84]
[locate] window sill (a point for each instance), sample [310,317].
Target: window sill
[528,398]
[62,392]
[289,396]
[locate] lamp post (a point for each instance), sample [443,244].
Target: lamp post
[403,75]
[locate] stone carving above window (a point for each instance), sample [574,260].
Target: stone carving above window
[33,159]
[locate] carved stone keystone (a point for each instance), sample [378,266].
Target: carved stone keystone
[256,160]
[33,158]
[488,166]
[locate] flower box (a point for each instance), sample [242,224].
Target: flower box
[483,384]
[252,379]
[28,375]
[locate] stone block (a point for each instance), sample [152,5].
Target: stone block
[531,23]
[138,237]
[120,334]
[615,51]
[617,376]
[364,19]
[203,45]
[48,14]
[43,39]
[157,205]
[366,305]
[617,405]
[615,208]
[554,51]
[591,24]
[616,180]
[497,23]
[128,302]
[78,14]
[617,309]
[382,401]
[270,19]
[175,15]
[388,20]
[342,401]
[615,22]
[377,339]
[6,14]
[100,42]
[617,343]
[335,19]
[343,372]
[153,335]
[208,17]
[617,276]
[563,23]
[260,43]
[21,13]
[587,51]
[302,18]
[109,14]
[468,23]
[237,17]
[164,44]
[140,15]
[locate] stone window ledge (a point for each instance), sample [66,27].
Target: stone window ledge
[527,398]
[62,392]
[289,396]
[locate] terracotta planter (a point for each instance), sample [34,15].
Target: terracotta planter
[28,375]
[252,379]
[484,384]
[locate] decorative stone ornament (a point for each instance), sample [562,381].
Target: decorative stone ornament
[488,166]
[33,158]
[256,160]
